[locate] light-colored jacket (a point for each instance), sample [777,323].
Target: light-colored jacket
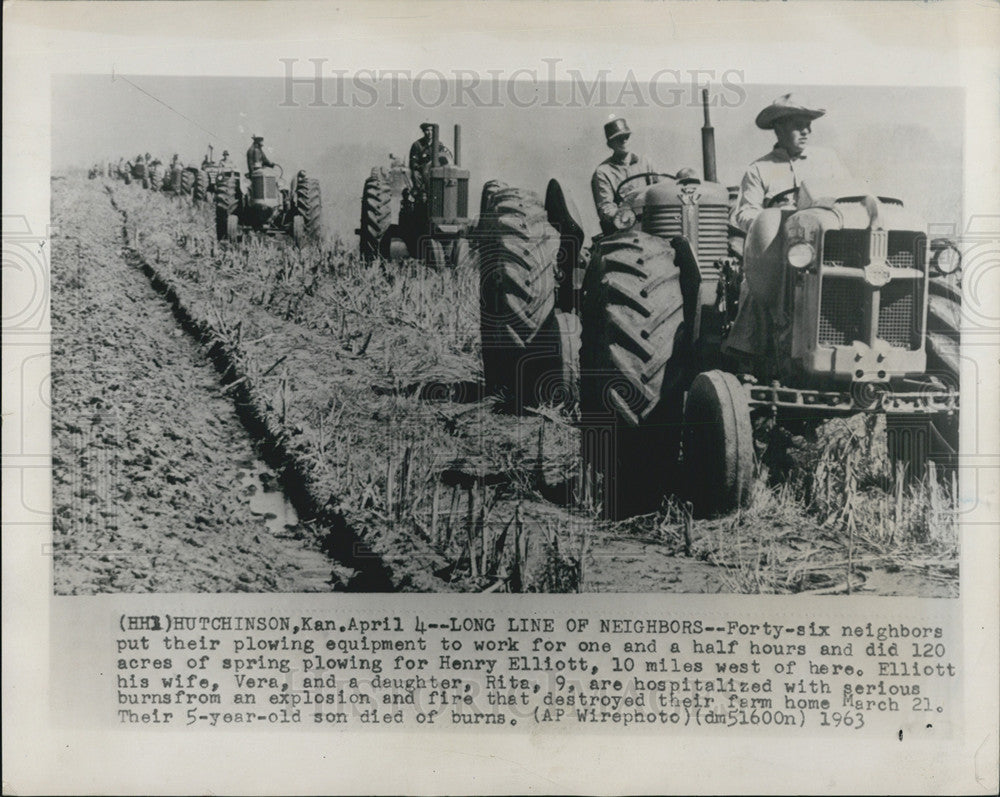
[768,176]
[609,175]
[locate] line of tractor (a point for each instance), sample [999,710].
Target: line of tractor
[628,327]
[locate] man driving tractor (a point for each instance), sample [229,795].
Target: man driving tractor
[614,170]
[420,155]
[771,183]
[256,157]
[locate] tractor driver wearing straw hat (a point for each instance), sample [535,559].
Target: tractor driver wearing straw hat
[614,170]
[774,176]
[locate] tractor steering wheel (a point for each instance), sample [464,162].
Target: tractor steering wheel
[618,191]
[782,197]
[281,172]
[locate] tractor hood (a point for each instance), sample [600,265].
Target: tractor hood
[846,207]
[669,192]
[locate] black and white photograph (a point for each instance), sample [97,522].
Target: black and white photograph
[436,333]
[451,397]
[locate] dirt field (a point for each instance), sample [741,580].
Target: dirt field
[191,379]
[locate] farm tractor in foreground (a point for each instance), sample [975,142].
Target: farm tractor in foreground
[266,206]
[866,321]
[432,219]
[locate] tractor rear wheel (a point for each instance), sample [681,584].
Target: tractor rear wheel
[309,205]
[944,332]
[718,443]
[227,195]
[187,181]
[375,211]
[490,189]
[517,292]
[632,379]
[200,191]
[155,176]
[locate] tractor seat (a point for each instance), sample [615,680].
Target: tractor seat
[563,214]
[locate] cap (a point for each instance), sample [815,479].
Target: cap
[616,128]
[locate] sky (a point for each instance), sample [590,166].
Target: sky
[905,142]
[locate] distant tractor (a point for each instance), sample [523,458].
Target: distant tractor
[267,207]
[432,220]
[205,177]
[663,409]
[155,174]
[138,171]
[182,180]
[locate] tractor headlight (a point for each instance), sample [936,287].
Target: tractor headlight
[624,218]
[801,254]
[947,259]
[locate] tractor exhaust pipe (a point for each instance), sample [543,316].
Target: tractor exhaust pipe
[707,143]
[458,145]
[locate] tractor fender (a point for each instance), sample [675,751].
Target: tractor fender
[762,256]
[690,283]
[563,213]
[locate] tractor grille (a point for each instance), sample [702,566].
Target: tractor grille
[841,311]
[906,250]
[850,248]
[842,315]
[845,248]
[265,186]
[897,321]
[713,233]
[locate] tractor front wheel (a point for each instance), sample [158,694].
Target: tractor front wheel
[233,227]
[432,253]
[718,443]
[298,231]
[461,254]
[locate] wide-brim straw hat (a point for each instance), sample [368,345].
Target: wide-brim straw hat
[786,105]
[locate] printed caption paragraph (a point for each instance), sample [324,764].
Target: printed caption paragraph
[514,671]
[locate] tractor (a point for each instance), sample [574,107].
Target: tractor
[867,323]
[432,221]
[137,170]
[183,180]
[268,207]
[206,177]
